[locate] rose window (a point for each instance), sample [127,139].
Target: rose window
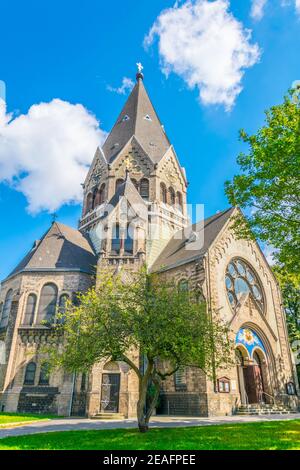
[241,280]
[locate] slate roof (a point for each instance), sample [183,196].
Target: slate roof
[178,250]
[133,121]
[61,248]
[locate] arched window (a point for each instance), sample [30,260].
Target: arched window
[183,285]
[30,310]
[47,304]
[89,202]
[179,200]
[163,193]
[118,183]
[136,184]
[115,240]
[62,307]
[44,374]
[171,196]
[100,196]
[30,373]
[128,242]
[144,188]
[6,308]
[180,378]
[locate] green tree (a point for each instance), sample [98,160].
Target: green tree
[290,288]
[269,185]
[147,316]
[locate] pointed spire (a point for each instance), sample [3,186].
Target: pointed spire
[137,119]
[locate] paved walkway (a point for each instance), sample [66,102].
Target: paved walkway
[76,424]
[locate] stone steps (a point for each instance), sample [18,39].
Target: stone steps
[108,416]
[250,410]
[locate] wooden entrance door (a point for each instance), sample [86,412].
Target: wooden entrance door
[253,383]
[110,391]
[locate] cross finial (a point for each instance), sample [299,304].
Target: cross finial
[139,67]
[139,74]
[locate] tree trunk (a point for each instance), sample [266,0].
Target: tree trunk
[141,405]
[153,402]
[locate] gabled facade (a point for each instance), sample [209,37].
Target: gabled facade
[134,212]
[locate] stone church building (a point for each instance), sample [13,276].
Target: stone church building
[135,212]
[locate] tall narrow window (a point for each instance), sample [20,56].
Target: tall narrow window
[30,310]
[89,202]
[6,308]
[180,379]
[44,374]
[171,196]
[128,242]
[179,200]
[30,373]
[163,193]
[144,188]
[102,194]
[62,307]
[118,183]
[136,184]
[47,304]
[116,240]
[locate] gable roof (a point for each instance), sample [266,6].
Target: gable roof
[132,196]
[134,121]
[61,248]
[177,251]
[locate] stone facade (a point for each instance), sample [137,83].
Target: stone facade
[137,174]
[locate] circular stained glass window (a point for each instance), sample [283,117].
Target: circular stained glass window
[250,276]
[231,270]
[240,281]
[256,292]
[228,282]
[231,299]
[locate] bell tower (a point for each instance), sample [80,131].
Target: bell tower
[136,170]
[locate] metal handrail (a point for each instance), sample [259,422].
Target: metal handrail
[268,395]
[284,395]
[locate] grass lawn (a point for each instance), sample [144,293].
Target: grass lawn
[264,435]
[10,418]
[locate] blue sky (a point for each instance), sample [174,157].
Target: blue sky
[76,51]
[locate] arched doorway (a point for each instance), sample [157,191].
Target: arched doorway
[251,359]
[110,388]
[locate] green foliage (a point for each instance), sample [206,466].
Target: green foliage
[269,185]
[168,327]
[290,288]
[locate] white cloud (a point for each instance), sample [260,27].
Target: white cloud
[269,253]
[295,3]
[45,153]
[127,85]
[257,9]
[207,46]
